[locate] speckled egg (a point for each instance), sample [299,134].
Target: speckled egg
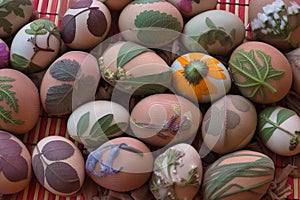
[58,165]
[217,32]
[153,23]
[279,130]
[19,99]
[239,175]
[85,24]
[15,162]
[4,54]
[229,124]
[121,164]
[95,122]
[35,46]
[14,14]
[276,22]
[200,77]
[163,119]
[177,173]
[69,82]
[261,72]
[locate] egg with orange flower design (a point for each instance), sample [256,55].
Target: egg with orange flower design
[200,77]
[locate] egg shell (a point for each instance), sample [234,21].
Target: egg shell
[278,140]
[4,54]
[58,165]
[123,169]
[229,124]
[21,99]
[139,62]
[116,5]
[15,164]
[265,67]
[294,60]
[284,34]
[218,32]
[163,119]
[150,23]
[16,20]
[69,82]
[215,84]
[82,121]
[85,24]
[32,53]
[177,178]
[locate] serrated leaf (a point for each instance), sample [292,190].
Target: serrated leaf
[101,125]
[266,133]
[210,23]
[68,28]
[65,70]
[97,23]
[83,123]
[283,115]
[115,128]
[145,1]
[128,51]
[6,25]
[5,116]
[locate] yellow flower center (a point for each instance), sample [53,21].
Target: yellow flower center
[195,71]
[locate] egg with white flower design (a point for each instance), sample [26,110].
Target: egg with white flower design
[276,22]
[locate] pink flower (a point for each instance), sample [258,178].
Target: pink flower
[185,5]
[4,55]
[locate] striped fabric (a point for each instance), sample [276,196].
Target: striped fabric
[54,9]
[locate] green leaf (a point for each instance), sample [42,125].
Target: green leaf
[65,70]
[266,133]
[128,51]
[210,23]
[5,116]
[14,6]
[6,25]
[83,124]
[101,125]
[22,64]
[264,116]
[8,95]
[283,115]
[115,128]
[145,1]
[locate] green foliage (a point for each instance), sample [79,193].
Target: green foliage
[22,64]
[65,70]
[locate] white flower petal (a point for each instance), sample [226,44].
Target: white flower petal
[262,17]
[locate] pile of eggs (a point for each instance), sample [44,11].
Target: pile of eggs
[178,72]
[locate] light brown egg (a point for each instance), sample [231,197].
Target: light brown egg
[58,165]
[294,60]
[241,175]
[121,164]
[69,82]
[116,5]
[162,119]
[20,99]
[15,162]
[261,72]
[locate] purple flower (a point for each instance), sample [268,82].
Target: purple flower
[4,55]
[185,5]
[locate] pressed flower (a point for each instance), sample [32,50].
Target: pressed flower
[185,5]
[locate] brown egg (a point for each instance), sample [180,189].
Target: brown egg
[241,175]
[229,124]
[162,119]
[15,162]
[116,5]
[58,165]
[19,100]
[294,59]
[69,82]
[121,164]
[261,72]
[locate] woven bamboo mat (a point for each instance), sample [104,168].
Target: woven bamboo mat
[54,9]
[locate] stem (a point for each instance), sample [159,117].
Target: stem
[280,128]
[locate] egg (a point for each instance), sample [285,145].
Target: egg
[70,81]
[279,130]
[85,24]
[294,60]
[15,162]
[261,72]
[95,122]
[150,23]
[19,99]
[275,22]
[58,165]
[242,174]
[177,173]
[200,77]
[121,164]
[116,5]
[229,124]
[35,46]
[135,69]
[4,54]
[163,119]
[215,32]
[14,14]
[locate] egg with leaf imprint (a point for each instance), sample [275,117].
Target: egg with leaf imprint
[35,46]
[294,60]
[19,98]
[152,23]
[14,14]
[93,123]
[163,119]
[85,24]
[134,69]
[208,32]
[58,165]
[15,162]
[4,54]
[121,164]
[70,81]
[279,130]
[261,72]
